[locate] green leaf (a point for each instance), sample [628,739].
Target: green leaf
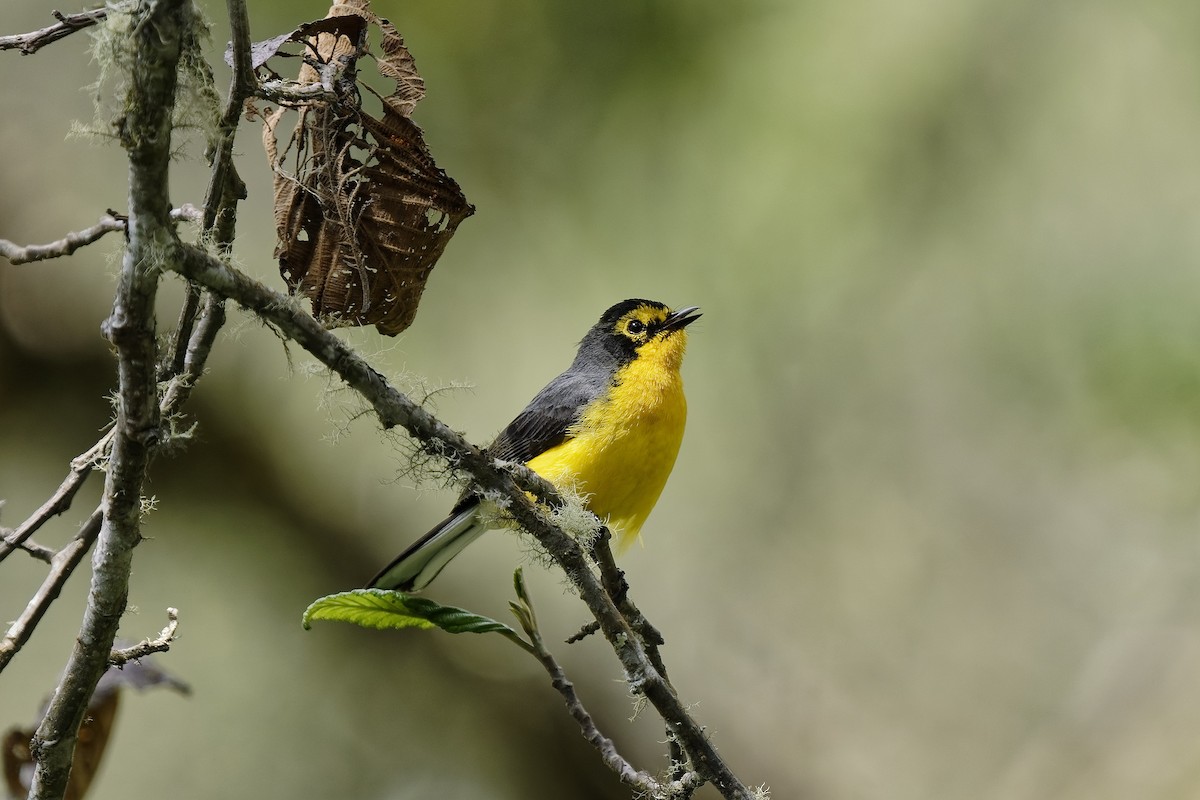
[388,610]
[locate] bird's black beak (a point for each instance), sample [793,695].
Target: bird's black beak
[678,320]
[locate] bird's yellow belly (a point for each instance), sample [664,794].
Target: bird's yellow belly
[621,452]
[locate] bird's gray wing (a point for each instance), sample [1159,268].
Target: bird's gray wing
[545,422]
[548,418]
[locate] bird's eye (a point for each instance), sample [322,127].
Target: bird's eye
[635,327]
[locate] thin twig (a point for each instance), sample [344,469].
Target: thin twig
[109,223]
[683,785]
[183,332]
[62,565]
[626,772]
[208,325]
[60,501]
[118,658]
[30,43]
[244,79]
[618,588]
[31,548]
[225,187]
[584,632]
[64,246]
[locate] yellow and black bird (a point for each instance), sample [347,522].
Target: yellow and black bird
[608,428]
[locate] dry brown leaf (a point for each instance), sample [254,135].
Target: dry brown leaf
[94,734]
[93,738]
[362,211]
[18,762]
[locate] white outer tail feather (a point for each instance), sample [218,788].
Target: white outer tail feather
[416,567]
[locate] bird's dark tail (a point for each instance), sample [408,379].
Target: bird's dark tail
[416,567]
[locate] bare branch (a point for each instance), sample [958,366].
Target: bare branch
[612,759]
[225,187]
[244,80]
[30,43]
[183,329]
[64,246]
[38,551]
[195,355]
[145,132]
[63,564]
[110,222]
[626,772]
[162,644]
[60,501]
[617,587]
[211,319]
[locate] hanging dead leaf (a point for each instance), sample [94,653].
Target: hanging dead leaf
[94,734]
[93,738]
[362,211]
[18,762]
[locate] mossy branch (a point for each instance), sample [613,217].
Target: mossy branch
[146,134]
[159,37]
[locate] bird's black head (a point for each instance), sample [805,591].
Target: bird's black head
[634,327]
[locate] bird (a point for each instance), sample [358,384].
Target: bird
[609,429]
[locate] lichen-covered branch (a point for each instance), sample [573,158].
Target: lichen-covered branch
[159,644]
[225,187]
[194,355]
[293,93]
[628,774]
[145,133]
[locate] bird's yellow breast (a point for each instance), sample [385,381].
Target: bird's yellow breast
[621,451]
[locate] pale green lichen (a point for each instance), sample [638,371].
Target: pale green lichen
[572,517]
[197,105]
[640,704]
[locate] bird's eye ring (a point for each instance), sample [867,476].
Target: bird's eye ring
[635,326]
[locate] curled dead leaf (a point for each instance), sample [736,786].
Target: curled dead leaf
[95,733]
[362,211]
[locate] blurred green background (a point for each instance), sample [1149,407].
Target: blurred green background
[933,531]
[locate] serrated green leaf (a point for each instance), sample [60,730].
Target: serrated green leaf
[388,610]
